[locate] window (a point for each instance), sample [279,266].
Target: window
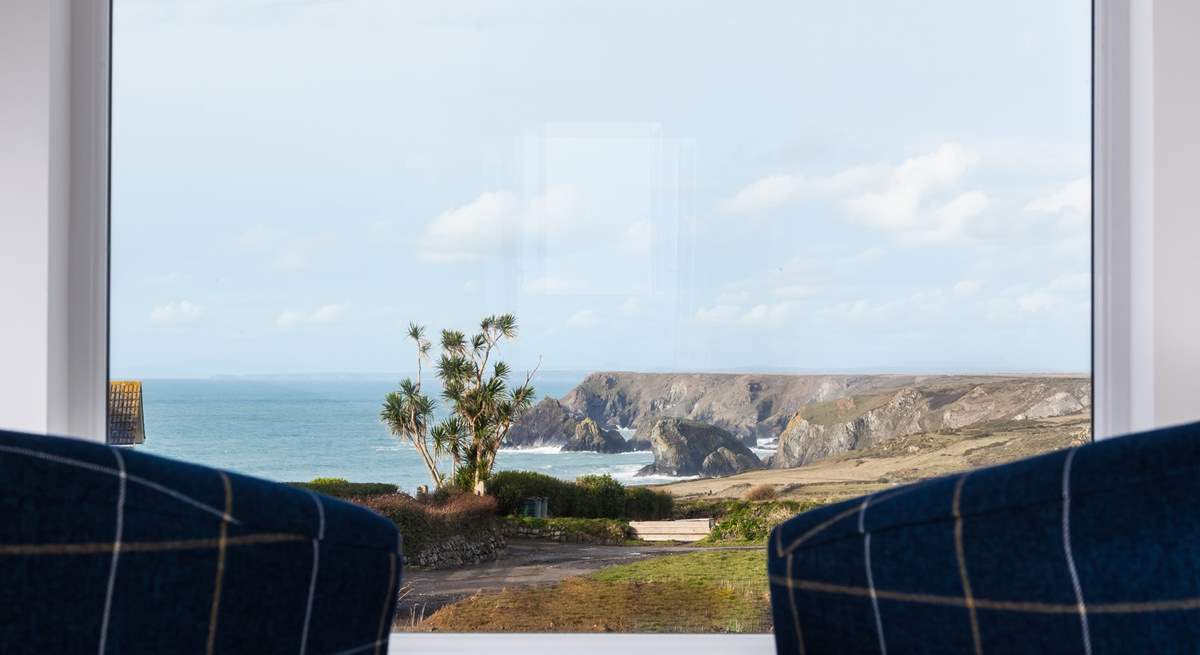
[756,258]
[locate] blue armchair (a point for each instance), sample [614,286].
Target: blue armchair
[1089,550]
[104,549]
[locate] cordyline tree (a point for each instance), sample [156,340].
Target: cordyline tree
[482,404]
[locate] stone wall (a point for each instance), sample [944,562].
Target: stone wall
[484,545]
[583,531]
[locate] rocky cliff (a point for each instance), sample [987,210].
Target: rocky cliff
[948,403]
[749,406]
[547,423]
[590,437]
[687,447]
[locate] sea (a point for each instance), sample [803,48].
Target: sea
[288,430]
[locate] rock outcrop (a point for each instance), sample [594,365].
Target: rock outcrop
[854,422]
[547,423]
[750,406]
[591,437]
[686,447]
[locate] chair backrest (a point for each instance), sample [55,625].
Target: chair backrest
[1089,550]
[105,549]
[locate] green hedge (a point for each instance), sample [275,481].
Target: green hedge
[745,521]
[592,531]
[340,488]
[423,525]
[591,496]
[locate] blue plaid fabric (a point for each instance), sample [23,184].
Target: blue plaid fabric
[1089,550]
[106,550]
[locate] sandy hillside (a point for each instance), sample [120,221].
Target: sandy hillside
[901,460]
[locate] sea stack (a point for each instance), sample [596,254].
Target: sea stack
[687,447]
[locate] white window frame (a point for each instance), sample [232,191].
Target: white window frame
[1136,220]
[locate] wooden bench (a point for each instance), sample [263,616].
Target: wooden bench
[682,530]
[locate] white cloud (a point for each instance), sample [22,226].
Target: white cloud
[1037,301]
[904,205]
[550,214]
[730,295]
[779,190]
[486,225]
[918,201]
[468,232]
[330,313]
[582,318]
[718,313]
[764,314]
[793,291]
[181,311]
[1072,204]
[470,286]
[288,319]
[850,310]
[966,288]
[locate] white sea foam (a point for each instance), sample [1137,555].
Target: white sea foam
[628,473]
[539,450]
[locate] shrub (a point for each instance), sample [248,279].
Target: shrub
[423,525]
[705,508]
[642,504]
[601,497]
[747,521]
[591,496]
[603,531]
[341,488]
[510,488]
[761,492]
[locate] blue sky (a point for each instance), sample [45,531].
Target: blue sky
[871,186]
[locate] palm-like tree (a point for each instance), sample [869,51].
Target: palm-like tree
[483,404]
[408,412]
[477,388]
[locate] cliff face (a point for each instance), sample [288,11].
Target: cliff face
[590,437]
[747,405]
[858,421]
[686,447]
[547,423]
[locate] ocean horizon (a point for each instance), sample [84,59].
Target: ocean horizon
[296,429]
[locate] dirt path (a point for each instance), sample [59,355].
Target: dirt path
[525,563]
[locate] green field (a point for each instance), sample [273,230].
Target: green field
[712,591]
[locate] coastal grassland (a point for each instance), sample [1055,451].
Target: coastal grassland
[896,461]
[707,591]
[844,409]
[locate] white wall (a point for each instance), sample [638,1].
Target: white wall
[53,189]
[27,83]
[1176,224]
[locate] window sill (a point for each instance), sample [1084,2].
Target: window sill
[580,644]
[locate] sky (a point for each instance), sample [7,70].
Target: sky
[707,186]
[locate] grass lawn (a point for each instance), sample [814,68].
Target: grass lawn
[718,591]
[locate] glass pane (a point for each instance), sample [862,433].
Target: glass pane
[757,257]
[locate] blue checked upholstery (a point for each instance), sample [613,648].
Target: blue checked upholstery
[1089,550]
[107,550]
